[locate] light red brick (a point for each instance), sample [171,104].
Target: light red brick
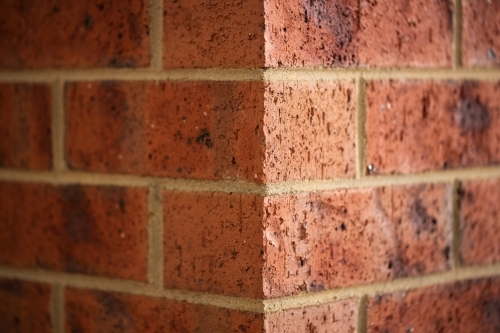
[25,124]
[211,33]
[338,317]
[201,130]
[84,34]
[327,240]
[96,230]
[345,33]
[416,126]
[97,311]
[479,222]
[480,33]
[213,242]
[310,130]
[24,307]
[470,306]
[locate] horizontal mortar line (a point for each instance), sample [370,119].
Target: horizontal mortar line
[247,74]
[443,176]
[403,284]
[195,74]
[170,184]
[131,287]
[332,74]
[243,187]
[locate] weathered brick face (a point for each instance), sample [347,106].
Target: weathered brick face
[415,126]
[77,229]
[323,241]
[481,33]
[309,130]
[81,34]
[24,306]
[25,126]
[479,218]
[461,307]
[201,130]
[348,33]
[249,166]
[211,33]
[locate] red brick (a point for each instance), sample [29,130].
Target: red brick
[471,306]
[96,311]
[24,307]
[415,126]
[213,242]
[481,33]
[479,222]
[87,33]
[212,33]
[202,130]
[309,128]
[336,239]
[358,33]
[78,229]
[339,317]
[25,124]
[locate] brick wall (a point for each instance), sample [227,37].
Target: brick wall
[250,166]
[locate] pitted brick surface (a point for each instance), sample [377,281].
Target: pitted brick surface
[213,33]
[97,311]
[25,126]
[470,306]
[96,230]
[330,240]
[309,129]
[213,242]
[481,33]
[347,33]
[24,307]
[415,126]
[338,317]
[201,130]
[83,34]
[479,222]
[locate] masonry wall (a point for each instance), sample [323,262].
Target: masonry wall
[250,166]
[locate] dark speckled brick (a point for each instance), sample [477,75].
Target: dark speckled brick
[24,307]
[94,311]
[97,230]
[85,33]
[25,126]
[463,307]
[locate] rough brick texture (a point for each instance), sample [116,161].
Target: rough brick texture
[25,124]
[481,33]
[415,126]
[471,306]
[74,228]
[344,33]
[336,239]
[213,242]
[227,243]
[24,307]
[203,130]
[339,317]
[97,311]
[87,33]
[309,129]
[479,221]
[212,33]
